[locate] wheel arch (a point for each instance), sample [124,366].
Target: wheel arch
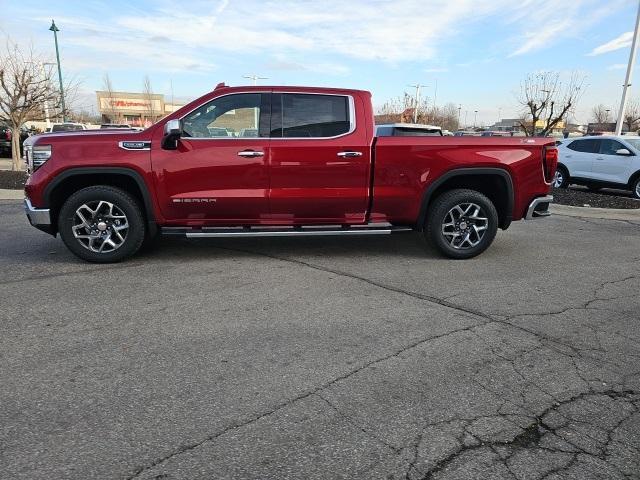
[74,179]
[495,183]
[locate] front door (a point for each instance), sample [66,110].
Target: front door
[219,172]
[608,165]
[319,160]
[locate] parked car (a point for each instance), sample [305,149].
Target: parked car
[67,127]
[599,161]
[115,126]
[407,130]
[248,132]
[5,139]
[314,169]
[218,132]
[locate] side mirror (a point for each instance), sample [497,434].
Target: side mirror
[623,151]
[172,133]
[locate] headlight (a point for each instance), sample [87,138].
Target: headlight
[39,155]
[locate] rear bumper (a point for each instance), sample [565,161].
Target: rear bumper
[38,217]
[539,208]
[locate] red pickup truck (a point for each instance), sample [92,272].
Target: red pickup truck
[280,161]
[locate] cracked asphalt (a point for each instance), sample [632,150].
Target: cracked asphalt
[323,358]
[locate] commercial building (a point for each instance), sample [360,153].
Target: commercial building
[136,109]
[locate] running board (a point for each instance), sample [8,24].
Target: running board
[279,231]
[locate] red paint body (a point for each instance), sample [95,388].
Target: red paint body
[297,181]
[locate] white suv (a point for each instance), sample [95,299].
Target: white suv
[603,161]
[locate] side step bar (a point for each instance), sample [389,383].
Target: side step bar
[278,231]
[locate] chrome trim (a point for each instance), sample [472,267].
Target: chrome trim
[349,154]
[250,154]
[37,216]
[290,231]
[294,233]
[145,148]
[532,214]
[352,117]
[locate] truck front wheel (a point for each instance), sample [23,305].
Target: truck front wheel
[102,224]
[461,223]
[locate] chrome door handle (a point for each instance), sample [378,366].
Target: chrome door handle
[349,154]
[250,153]
[599,158]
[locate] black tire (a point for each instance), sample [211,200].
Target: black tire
[635,187]
[122,204]
[562,175]
[439,214]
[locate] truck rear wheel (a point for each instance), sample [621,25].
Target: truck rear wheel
[461,223]
[102,224]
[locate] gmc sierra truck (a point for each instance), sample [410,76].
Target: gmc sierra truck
[280,161]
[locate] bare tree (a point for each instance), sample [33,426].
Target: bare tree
[25,89]
[148,96]
[545,97]
[632,115]
[401,109]
[107,86]
[600,114]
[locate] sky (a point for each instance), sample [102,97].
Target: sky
[471,53]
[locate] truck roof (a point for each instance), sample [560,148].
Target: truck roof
[288,88]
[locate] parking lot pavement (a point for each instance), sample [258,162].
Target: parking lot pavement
[323,358]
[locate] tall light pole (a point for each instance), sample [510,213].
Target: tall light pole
[55,31]
[255,79]
[417,86]
[459,108]
[627,81]
[475,118]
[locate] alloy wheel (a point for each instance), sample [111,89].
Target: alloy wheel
[464,226]
[100,226]
[558,179]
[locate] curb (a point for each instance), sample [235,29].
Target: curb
[592,212]
[6,194]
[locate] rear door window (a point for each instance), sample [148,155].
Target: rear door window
[587,146]
[298,115]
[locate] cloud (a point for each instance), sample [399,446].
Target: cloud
[623,41]
[617,66]
[549,23]
[308,36]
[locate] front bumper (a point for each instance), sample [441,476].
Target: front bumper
[38,217]
[539,207]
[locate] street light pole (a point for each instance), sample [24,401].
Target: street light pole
[55,31]
[475,118]
[627,81]
[255,79]
[417,86]
[459,108]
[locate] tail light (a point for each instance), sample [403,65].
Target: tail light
[549,162]
[8,134]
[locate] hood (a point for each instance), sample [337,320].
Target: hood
[57,136]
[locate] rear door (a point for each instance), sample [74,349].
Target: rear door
[320,156]
[609,166]
[579,156]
